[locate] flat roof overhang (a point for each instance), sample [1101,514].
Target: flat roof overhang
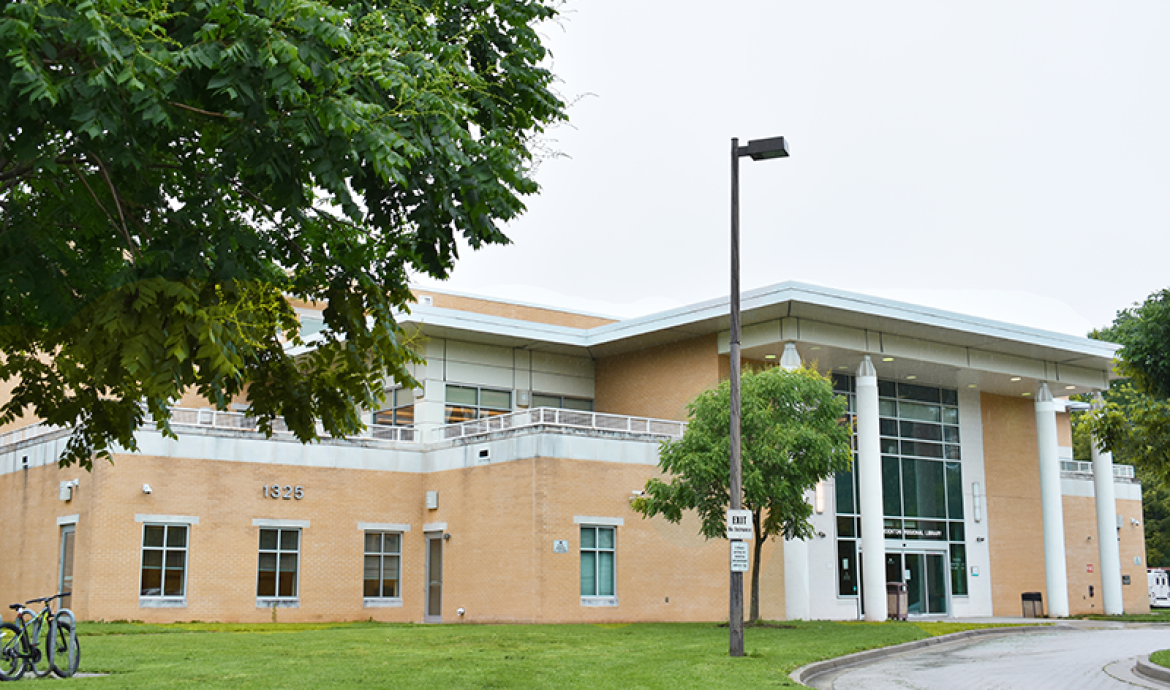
[832,327]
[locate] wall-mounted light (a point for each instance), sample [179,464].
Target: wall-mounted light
[460,610]
[820,497]
[980,539]
[446,536]
[977,501]
[1135,523]
[146,489]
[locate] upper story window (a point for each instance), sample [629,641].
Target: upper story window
[465,403]
[544,400]
[400,411]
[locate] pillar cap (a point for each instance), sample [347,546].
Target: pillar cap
[867,368]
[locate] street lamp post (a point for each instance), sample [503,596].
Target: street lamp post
[759,149]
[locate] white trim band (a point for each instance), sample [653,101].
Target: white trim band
[265,522]
[383,527]
[435,527]
[178,519]
[63,520]
[591,520]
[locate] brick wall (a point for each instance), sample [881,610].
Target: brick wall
[657,382]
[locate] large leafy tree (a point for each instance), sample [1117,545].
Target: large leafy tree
[1135,422]
[172,171]
[792,437]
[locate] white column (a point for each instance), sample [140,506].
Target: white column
[1107,546]
[796,585]
[1055,568]
[869,476]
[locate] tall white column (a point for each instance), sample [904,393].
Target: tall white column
[869,477]
[1055,568]
[1106,500]
[796,584]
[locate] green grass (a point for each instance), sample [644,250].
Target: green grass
[1161,658]
[1161,616]
[375,655]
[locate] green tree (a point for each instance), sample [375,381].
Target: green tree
[792,437]
[1135,422]
[172,171]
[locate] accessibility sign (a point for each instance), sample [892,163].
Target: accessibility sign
[739,557]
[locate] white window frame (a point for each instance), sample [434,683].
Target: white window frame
[400,530]
[594,522]
[155,601]
[479,410]
[278,601]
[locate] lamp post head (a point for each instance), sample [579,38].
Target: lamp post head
[763,149]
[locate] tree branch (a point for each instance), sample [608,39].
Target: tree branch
[199,110]
[113,221]
[118,205]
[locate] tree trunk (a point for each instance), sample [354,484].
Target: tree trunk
[754,617]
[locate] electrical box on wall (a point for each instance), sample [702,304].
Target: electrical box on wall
[523,398]
[65,493]
[432,500]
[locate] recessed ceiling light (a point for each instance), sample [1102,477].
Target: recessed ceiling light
[1015,378]
[887,359]
[842,367]
[971,385]
[911,378]
[769,356]
[815,347]
[1070,388]
[1026,394]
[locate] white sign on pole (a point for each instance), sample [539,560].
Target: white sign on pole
[739,557]
[739,524]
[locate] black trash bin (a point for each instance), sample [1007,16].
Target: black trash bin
[1033,605]
[897,601]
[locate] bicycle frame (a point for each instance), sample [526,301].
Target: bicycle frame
[28,624]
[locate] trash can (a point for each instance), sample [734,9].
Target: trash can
[1033,605]
[897,601]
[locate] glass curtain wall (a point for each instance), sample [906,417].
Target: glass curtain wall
[921,478]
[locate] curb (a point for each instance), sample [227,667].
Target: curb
[1146,668]
[805,673]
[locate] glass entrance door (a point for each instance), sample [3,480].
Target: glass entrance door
[925,576]
[65,564]
[434,605]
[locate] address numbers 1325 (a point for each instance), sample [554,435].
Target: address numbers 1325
[285,492]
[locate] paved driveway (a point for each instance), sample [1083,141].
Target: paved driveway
[1085,659]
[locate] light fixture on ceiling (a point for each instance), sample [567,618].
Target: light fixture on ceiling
[1015,378]
[815,347]
[1070,388]
[887,359]
[1026,394]
[769,356]
[911,378]
[971,385]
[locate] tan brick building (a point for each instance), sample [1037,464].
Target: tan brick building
[499,490]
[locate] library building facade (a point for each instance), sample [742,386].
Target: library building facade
[498,489]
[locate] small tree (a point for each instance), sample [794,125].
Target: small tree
[792,438]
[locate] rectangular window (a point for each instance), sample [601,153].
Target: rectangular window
[400,411]
[465,403]
[542,400]
[598,552]
[164,561]
[280,550]
[383,565]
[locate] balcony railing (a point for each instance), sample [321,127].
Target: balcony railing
[216,419]
[574,419]
[1082,467]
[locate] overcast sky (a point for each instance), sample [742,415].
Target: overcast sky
[1004,159]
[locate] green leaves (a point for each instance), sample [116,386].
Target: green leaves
[240,151]
[791,439]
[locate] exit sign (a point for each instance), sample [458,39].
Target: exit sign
[739,524]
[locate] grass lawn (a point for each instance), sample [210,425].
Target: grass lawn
[1154,616]
[375,655]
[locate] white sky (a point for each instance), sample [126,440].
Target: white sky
[1008,159]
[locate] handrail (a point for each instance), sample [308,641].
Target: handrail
[576,419]
[219,419]
[1082,467]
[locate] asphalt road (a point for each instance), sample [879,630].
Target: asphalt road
[1085,659]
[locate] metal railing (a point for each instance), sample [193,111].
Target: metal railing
[575,419]
[238,421]
[1082,467]
[26,433]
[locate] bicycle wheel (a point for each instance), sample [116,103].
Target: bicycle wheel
[64,653]
[13,650]
[38,641]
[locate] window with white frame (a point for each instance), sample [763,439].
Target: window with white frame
[280,551]
[562,401]
[383,565]
[598,561]
[465,403]
[400,412]
[164,561]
